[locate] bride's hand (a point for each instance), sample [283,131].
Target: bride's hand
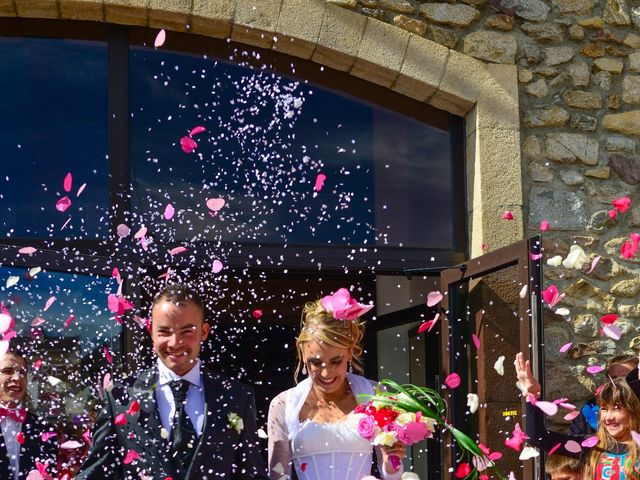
[526,381]
[398,450]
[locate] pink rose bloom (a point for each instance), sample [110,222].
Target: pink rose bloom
[413,432]
[367,427]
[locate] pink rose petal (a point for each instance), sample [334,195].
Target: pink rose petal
[549,408]
[169,212]
[123,230]
[565,347]
[106,380]
[433,298]
[593,369]
[69,321]
[429,324]
[215,204]
[589,442]
[551,296]
[507,215]
[476,340]
[188,144]
[609,318]
[37,321]
[177,250]
[49,303]
[320,178]
[34,475]
[133,408]
[120,420]
[452,381]
[622,204]
[112,302]
[81,189]
[141,233]
[612,331]
[216,266]
[63,204]
[107,355]
[572,446]
[594,263]
[160,38]
[68,180]
[544,226]
[71,445]
[554,448]
[571,415]
[27,250]
[47,435]
[130,457]
[535,256]
[257,313]
[9,335]
[197,130]
[115,273]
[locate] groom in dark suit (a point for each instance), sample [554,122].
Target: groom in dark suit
[21,440]
[178,419]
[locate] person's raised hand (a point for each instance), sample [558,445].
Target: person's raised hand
[527,383]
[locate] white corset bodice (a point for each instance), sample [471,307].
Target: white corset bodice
[330,451]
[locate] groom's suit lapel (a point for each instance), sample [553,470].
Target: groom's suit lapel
[148,418]
[215,422]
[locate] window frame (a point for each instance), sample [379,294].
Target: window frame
[379,259]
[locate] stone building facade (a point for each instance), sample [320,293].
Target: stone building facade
[578,91]
[549,89]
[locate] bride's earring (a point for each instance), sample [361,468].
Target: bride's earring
[304,368]
[350,369]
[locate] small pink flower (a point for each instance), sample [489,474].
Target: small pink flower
[414,432]
[342,306]
[622,204]
[367,427]
[452,381]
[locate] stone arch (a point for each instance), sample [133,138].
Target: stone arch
[485,94]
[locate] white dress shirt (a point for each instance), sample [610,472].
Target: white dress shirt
[10,429]
[195,397]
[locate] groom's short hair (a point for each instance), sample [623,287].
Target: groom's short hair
[177,293]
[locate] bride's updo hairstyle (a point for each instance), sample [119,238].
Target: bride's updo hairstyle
[319,324]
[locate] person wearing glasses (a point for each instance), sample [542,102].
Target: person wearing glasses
[24,439]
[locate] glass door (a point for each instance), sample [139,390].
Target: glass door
[490,309]
[491,312]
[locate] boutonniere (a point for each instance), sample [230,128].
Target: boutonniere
[235,422]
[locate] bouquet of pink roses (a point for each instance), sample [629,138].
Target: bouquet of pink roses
[410,414]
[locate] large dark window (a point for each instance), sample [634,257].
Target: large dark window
[267,139]
[54,121]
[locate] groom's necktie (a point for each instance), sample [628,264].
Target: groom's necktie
[183,435]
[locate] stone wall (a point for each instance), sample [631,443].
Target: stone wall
[579,87]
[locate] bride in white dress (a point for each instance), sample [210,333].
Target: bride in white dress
[309,427]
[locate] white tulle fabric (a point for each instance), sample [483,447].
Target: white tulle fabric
[318,451]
